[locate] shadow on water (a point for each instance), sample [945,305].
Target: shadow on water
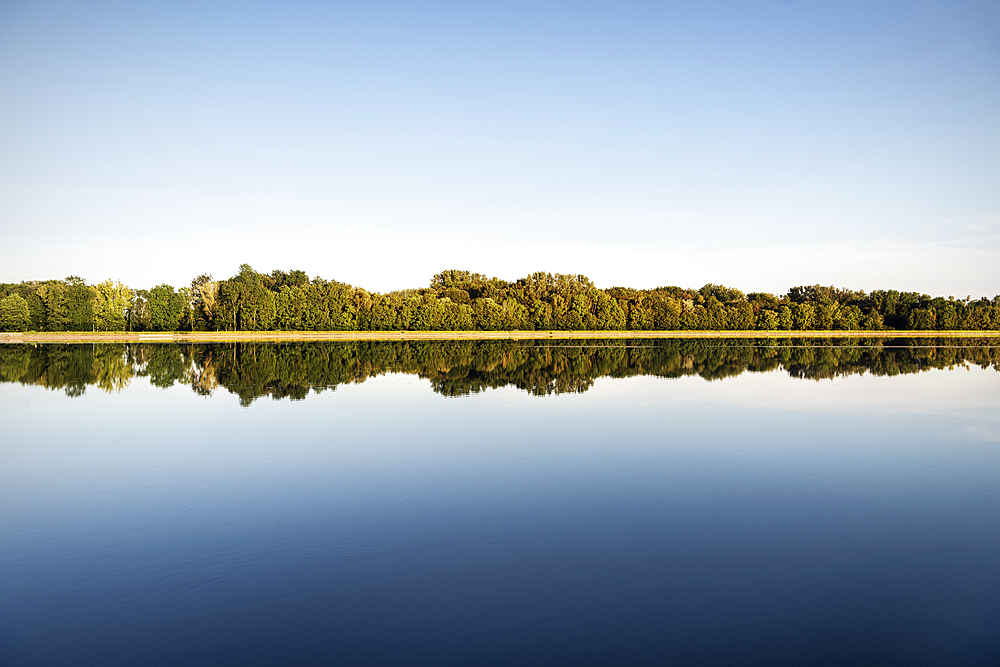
[292,370]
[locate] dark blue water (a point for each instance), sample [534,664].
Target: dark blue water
[760,519]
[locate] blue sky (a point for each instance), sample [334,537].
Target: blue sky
[758,144]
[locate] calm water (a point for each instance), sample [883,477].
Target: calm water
[681,502]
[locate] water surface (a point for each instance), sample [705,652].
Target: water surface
[690,502]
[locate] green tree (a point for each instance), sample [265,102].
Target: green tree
[922,319]
[458,279]
[608,313]
[515,315]
[948,317]
[722,293]
[487,314]
[666,312]
[740,316]
[848,318]
[540,315]
[138,312]
[14,313]
[462,300]
[826,314]
[79,304]
[53,295]
[111,303]
[872,321]
[204,301]
[246,304]
[786,319]
[166,308]
[639,318]
[804,315]
[767,320]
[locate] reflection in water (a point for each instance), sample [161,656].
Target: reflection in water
[291,370]
[761,521]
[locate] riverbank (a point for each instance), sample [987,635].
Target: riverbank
[275,336]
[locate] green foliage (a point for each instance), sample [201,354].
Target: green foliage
[293,370]
[165,307]
[804,315]
[467,301]
[767,320]
[457,279]
[14,313]
[722,293]
[111,305]
[922,319]
[204,302]
[53,295]
[79,304]
[785,318]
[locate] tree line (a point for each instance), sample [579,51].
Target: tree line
[294,370]
[466,301]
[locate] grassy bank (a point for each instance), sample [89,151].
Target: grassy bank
[235,336]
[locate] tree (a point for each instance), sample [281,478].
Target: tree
[922,319]
[872,321]
[826,314]
[487,314]
[848,318]
[138,312]
[785,318]
[805,316]
[187,309]
[721,292]
[166,307]
[53,295]
[947,317]
[639,318]
[79,304]
[457,279]
[608,312]
[767,320]
[741,317]
[666,312]
[540,315]
[245,303]
[111,304]
[14,313]
[462,300]
[204,301]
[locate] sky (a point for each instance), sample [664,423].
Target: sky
[759,144]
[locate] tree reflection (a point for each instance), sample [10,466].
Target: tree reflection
[461,368]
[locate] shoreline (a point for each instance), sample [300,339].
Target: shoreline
[312,336]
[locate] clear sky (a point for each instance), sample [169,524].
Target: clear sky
[759,144]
